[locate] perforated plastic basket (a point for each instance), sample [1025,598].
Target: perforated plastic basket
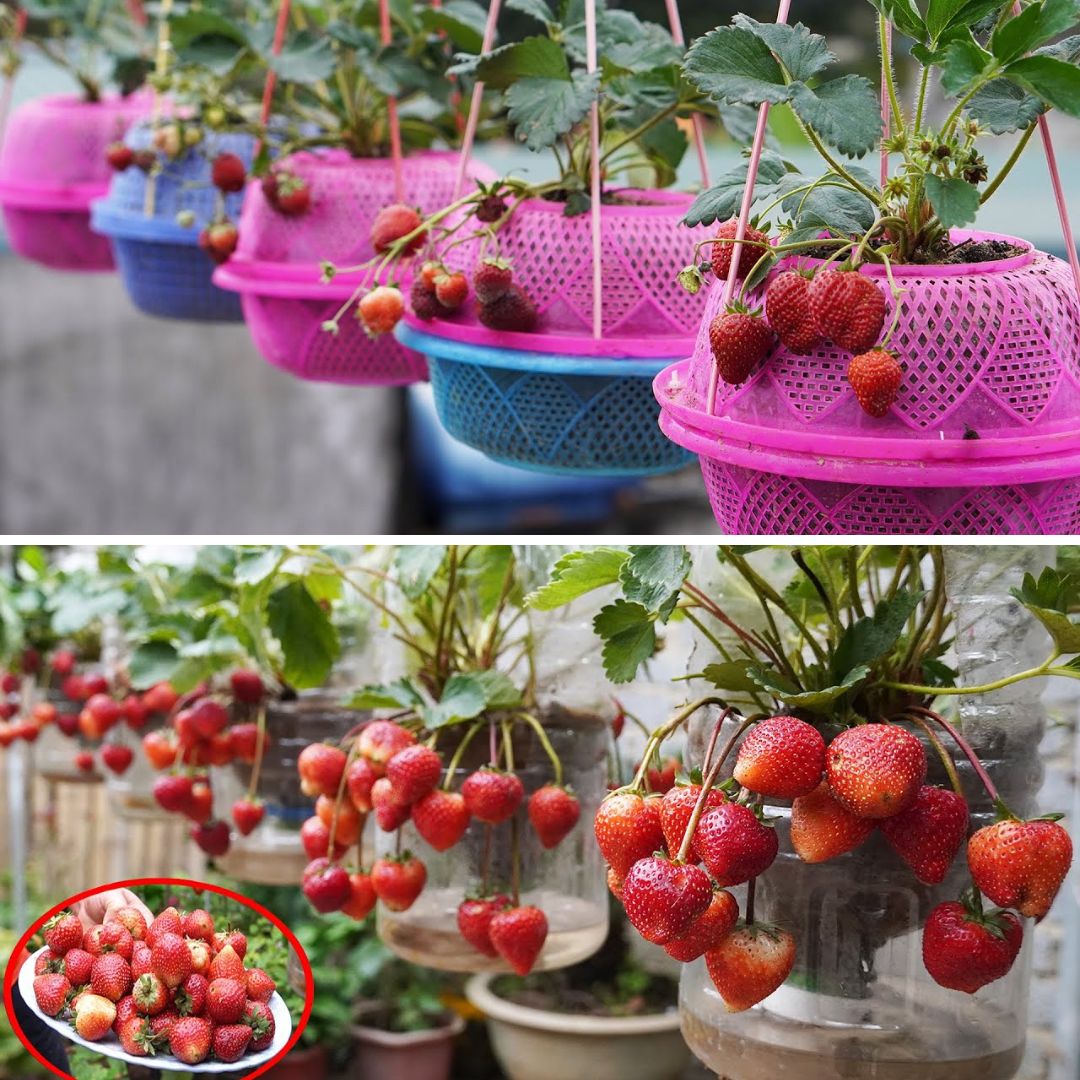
[276,267]
[548,412]
[163,269]
[52,166]
[989,411]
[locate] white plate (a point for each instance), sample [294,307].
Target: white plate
[110,1045]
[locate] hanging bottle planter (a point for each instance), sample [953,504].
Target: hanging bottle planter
[902,374]
[155,233]
[52,167]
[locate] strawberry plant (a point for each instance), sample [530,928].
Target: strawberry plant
[826,697]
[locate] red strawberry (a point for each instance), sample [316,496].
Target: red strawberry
[231,1041]
[94,1016]
[84,761]
[441,818]
[781,757]
[246,815]
[875,376]
[212,837]
[48,963]
[451,290]
[51,992]
[491,208]
[227,965]
[398,881]
[260,1019]
[661,780]
[170,959]
[160,698]
[821,828]
[320,767]
[413,772]
[359,780]
[110,976]
[928,834]
[119,157]
[963,949]
[790,313]
[150,995]
[159,749]
[327,886]
[225,1000]
[749,254]
[68,723]
[135,1037]
[167,922]
[749,964]
[360,903]
[135,712]
[219,240]
[161,1025]
[247,686]
[238,942]
[343,818]
[518,935]
[381,309]
[125,1010]
[115,937]
[116,758]
[875,770]
[428,273]
[492,796]
[132,920]
[627,829]
[244,742]
[93,941]
[739,340]
[260,987]
[474,917]
[140,959]
[393,223]
[104,712]
[200,806]
[707,931]
[228,173]
[849,309]
[389,813]
[209,717]
[78,964]
[734,845]
[553,812]
[1021,864]
[315,836]
[664,898]
[676,809]
[492,280]
[200,955]
[513,311]
[292,194]
[173,793]
[190,1038]
[198,924]
[190,999]
[423,301]
[615,884]
[380,740]
[62,932]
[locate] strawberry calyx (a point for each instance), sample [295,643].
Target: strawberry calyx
[740,307]
[992,921]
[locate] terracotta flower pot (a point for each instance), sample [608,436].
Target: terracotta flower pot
[308,1063]
[409,1055]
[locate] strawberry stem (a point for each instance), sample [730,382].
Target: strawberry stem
[970,754]
[451,768]
[350,758]
[751,890]
[545,742]
[260,746]
[939,746]
[668,729]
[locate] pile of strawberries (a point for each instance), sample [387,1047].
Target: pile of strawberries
[672,858]
[202,730]
[388,773]
[15,722]
[178,985]
[804,309]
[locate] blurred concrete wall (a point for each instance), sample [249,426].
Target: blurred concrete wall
[114,422]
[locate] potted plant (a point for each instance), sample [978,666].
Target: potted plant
[52,162]
[477,778]
[935,395]
[837,832]
[366,102]
[606,1017]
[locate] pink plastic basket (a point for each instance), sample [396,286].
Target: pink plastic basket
[990,401]
[276,266]
[52,166]
[645,311]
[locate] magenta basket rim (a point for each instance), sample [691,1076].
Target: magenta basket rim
[898,472]
[285,281]
[661,202]
[336,157]
[73,101]
[71,197]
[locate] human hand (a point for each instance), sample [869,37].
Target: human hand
[103,906]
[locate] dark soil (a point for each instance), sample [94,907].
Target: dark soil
[948,253]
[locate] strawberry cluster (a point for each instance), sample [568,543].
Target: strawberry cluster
[177,986]
[205,728]
[804,310]
[389,773]
[672,858]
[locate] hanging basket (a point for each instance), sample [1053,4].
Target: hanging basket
[276,269]
[984,438]
[52,166]
[161,265]
[559,399]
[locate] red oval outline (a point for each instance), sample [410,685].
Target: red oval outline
[15,961]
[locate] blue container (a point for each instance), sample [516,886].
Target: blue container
[160,263]
[556,414]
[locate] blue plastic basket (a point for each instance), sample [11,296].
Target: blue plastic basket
[556,414]
[163,269]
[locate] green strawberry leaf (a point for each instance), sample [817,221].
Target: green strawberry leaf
[309,641]
[653,576]
[415,565]
[814,700]
[400,694]
[733,675]
[955,201]
[1050,599]
[629,634]
[578,573]
[872,637]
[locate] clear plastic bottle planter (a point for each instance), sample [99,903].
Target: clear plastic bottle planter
[52,167]
[859,1002]
[559,399]
[276,268]
[162,267]
[567,883]
[984,438]
[273,854]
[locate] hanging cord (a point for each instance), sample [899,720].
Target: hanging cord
[271,75]
[392,109]
[8,92]
[756,150]
[161,69]
[594,177]
[473,120]
[698,121]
